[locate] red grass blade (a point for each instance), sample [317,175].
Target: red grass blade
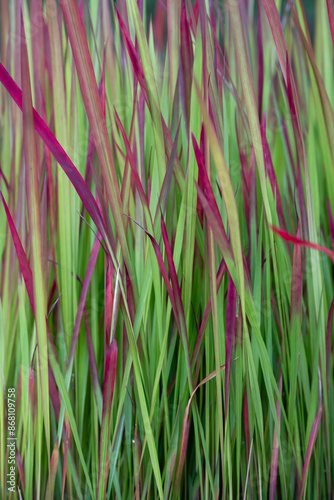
[329,339]
[66,445]
[187,60]
[277,32]
[23,261]
[330,9]
[59,154]
[109,298]
[297,241]
[209,204]
[54,395]
[331,222]
[230,326]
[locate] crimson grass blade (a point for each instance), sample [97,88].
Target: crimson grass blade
[59,154]
[298,241]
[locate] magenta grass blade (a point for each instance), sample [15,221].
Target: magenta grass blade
[23,261]
[108,392]
[331,222]
[275,449]
[109,299]
[277,32]
[329,339]
[187,59]
[297,241]
[208,201]
[54,396]
[58,152]
[330,10]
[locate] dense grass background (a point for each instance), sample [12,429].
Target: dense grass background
[166,304]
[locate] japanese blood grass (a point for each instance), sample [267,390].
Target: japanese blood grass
[167,299]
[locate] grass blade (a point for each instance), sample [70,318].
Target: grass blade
[29,144]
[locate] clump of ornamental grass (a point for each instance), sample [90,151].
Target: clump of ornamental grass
[166,247]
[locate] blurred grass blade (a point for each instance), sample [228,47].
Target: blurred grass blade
[38,260]
[330,10]
[49,494]
[94,111]
[187,59]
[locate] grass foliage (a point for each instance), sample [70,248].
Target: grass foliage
[167,248]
